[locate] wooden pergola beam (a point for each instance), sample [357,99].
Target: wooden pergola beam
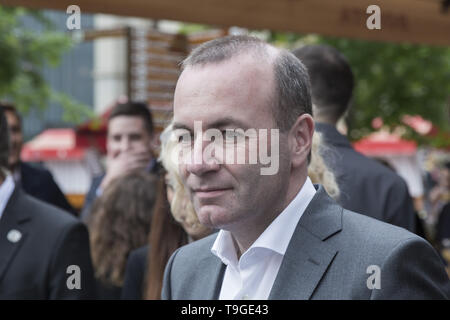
[413,21]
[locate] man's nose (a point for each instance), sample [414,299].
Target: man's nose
[201,160]
[125,144]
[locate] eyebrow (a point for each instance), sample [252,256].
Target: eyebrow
[223,122]
[229,121]
[177,126]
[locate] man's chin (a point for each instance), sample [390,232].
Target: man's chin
[213,216]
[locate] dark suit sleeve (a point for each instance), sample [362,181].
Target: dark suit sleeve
[443,225]
[72,249]
[39,183]
[412,270]
[134,276]
[399,209]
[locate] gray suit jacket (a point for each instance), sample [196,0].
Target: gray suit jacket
[327,258]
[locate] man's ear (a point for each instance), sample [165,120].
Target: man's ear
[300,139]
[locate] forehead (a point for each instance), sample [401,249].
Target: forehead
[241,88]
[126,124]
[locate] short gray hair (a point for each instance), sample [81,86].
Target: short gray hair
[292,90]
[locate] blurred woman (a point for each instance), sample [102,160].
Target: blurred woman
[120,222]
[175,222]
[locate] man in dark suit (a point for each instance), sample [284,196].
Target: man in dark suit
[281,237]
[44,251]
[39,183]
[365,185]
[36,181]
[129,146]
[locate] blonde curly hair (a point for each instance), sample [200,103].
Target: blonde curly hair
[318,170]
[181,206]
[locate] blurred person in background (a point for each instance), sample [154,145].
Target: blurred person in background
[420,221]
[175,222]
[44,252]
[129,146]
[439,195]
[119,223]
[35,180]
[366,186]
[442,238]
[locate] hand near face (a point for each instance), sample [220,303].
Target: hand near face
[129,146]
[125,162]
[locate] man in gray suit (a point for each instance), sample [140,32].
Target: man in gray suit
[281,237]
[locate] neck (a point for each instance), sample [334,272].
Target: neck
[320,115]
[244,236]
[319,119]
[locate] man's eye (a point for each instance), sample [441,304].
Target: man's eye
[229,134]
[184,138]
[135,137]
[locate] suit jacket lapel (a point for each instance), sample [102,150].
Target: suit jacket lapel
[308,255]
[14,218]
[211,282]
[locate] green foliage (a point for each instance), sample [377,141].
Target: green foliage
[24,53]
[189,28]
[391,80]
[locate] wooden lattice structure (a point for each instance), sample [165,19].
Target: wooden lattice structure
[154,66]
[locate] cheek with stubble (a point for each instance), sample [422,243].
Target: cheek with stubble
[230,206]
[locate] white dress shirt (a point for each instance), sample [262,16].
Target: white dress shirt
[253,275]
[6,190]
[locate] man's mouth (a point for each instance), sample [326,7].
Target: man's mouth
[209,192]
